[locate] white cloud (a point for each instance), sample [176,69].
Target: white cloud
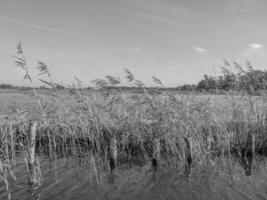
[255,46]
[199,49]
[252,50]
[154,17]
[37,26]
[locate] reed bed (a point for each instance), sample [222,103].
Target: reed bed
[135,129]
[113,129]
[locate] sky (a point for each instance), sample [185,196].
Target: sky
[177,41]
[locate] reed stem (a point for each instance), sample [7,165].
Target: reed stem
[31,153]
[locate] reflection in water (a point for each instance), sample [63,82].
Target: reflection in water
[187,170]
[246,164]
[34,194]
[246,157]
[225,179]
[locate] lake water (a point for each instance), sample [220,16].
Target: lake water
[220,179]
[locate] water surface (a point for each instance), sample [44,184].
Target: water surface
[221,179]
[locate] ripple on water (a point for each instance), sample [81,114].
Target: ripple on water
[223,180]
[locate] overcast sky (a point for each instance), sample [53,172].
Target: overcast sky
[175,40]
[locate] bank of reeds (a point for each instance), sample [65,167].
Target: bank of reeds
[115,129]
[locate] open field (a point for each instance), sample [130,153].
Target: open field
[141,131]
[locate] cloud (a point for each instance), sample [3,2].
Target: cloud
[252,50]
[153,17]
[148,16]
[36,26]
[255,46]
[199,49]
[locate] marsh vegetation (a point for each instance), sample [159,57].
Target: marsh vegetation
[108,144]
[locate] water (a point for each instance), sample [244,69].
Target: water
[220,179]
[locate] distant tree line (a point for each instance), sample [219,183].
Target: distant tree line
[233,77]
[10,86]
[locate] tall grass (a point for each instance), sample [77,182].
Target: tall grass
[131,129]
